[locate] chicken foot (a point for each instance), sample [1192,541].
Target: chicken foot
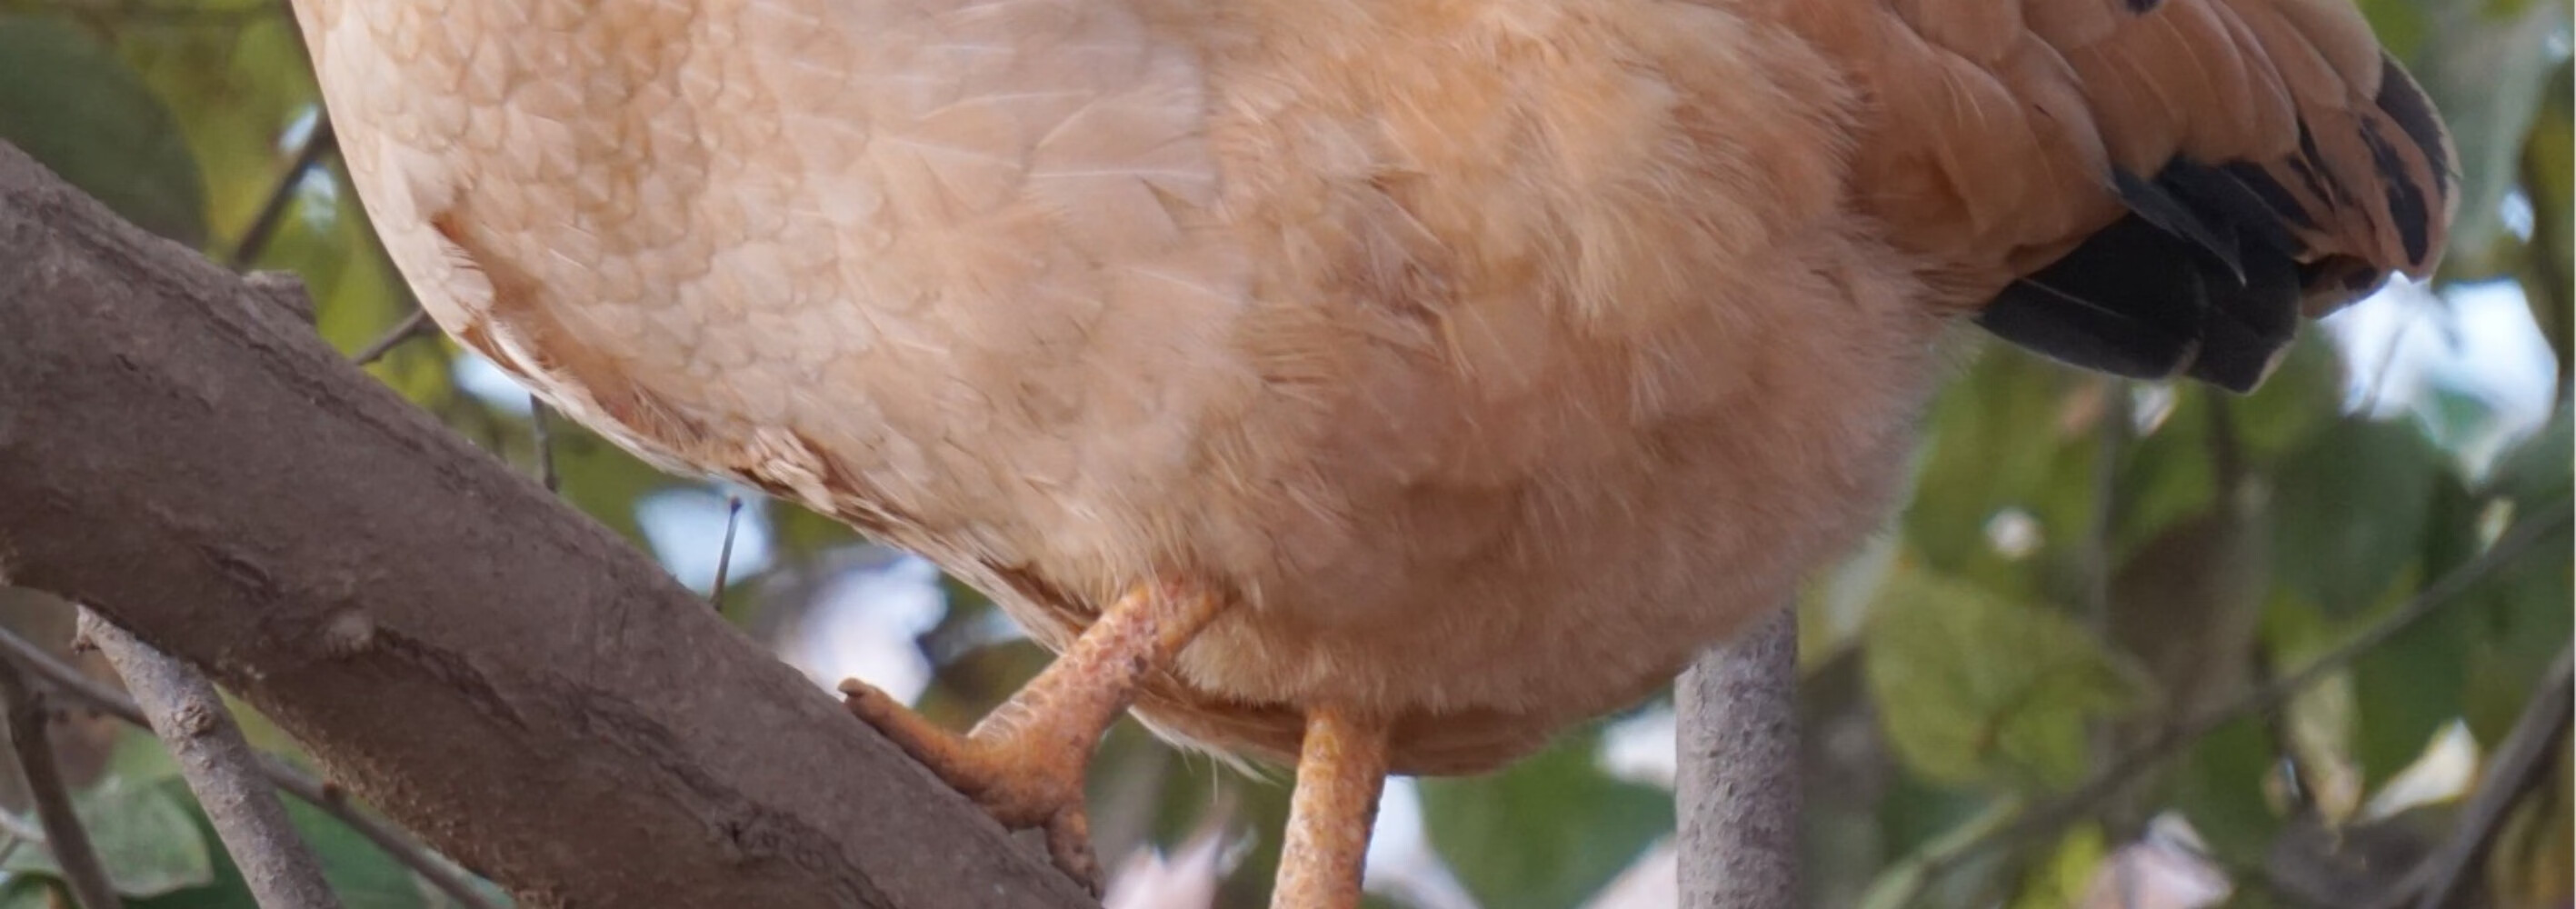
[1025,762]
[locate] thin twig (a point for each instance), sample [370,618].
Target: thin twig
[254,239]
[14,828]
[724,553]
[17,653]
[2113,435]
[412,326]
[541,425]
[70,843]
[2521,760]
[2047,817]
[220,767]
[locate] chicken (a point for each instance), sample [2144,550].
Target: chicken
[1383,386]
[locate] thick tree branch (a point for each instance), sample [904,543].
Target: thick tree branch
[220,768]
[489,668]
[1738,777]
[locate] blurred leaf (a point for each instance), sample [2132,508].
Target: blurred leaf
[2549,184]
[361,875]
[143,834]
[2317,726]
[72,105]
[2220,787]
[2015,432]
[1974,687]
[2531,864]
[2062,879]
[1546,832]
[1906,884]
[2536,471]
[603,480]
[2186,607]
[2291,408]
[2350,510]
[236,88]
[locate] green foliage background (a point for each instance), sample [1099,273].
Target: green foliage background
[2084,562]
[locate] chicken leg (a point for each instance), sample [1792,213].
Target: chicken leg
[1341,769]
[1025,762]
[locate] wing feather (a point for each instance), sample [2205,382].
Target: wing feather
[2151,187]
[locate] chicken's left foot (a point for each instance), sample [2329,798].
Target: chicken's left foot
[1024,764]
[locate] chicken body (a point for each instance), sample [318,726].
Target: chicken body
[1488,357]
[1496,358]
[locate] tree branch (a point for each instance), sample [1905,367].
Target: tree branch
[2048,817]
[412,326]
[2521,760]
[484,665]
[272,211]
[69,680]
[1738,781]
[220,768]
[27,717]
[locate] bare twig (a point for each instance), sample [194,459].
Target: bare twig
[2047,817]
[541,425]
[63,832]
[220,768]
[254,239]
[1738,780]
[19,830]
[2521,760]
[2113,436]
[724,553]
[24,655]
[412,326]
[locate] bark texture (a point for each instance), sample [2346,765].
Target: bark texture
[1738,778]
[493,670]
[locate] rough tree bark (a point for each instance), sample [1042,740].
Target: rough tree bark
[491,669]
[1737,782]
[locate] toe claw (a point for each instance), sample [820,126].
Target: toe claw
[1068,838]
[1018,784]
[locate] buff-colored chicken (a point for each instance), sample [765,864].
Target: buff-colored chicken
[1386,384]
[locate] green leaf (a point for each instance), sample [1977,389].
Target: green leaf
[2009,434]
[2536,471]
[1975,687]
[75,107]
[2351,510]
[2219,786]
[235,90]
[2067,874]
[2549,184]
[1546,833]
[143,834]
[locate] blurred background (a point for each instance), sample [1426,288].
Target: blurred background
[2044,684]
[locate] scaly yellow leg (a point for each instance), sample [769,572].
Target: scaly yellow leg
[1341,768]
[1025,762]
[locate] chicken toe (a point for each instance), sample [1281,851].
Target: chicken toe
[1024,764]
